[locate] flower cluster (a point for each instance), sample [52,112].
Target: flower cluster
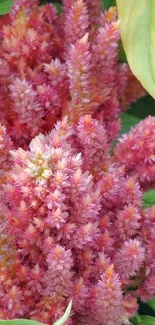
[72,224]
[77,230]
[56,64]
[138,156]
[5,158]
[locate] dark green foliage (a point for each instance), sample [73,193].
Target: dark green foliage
[108,3]
[143,107]
[128,121]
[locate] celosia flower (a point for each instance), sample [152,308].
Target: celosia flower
[130,304]
[5,157]
[25,103]
[132,89]
[58,277]
[79,70]
[76,23]
[94,139]
[108,305]
[67,227]
[136,151]
[68,61]
[129,258]
[128,222]
[71,218]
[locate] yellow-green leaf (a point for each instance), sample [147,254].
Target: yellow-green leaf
[19,322]
[138,36]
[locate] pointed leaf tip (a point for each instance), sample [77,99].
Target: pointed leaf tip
[64,318]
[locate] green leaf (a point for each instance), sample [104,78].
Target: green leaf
[149,200]
[19,322]
[136,320]
[151,302]
[58,6]
[122,55]
[127,122]
[64,318]
[147,320]
[143,107]
[145,309]
[144,320]
[138,36]
[5,6]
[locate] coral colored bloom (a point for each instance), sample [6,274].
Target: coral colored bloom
[67,226]
[62,64]
[129,258]
[136,151]
[72,224]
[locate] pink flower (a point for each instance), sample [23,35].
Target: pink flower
[26,105]
[95,10]
[136,151]
[79,72]
[72,224]
[108,305]
[20,4]
[76,23]
[58,277]
[67,226]
[130,304]
[5,158]
[70,64]
[94,139]
[129,258]
[128,222]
